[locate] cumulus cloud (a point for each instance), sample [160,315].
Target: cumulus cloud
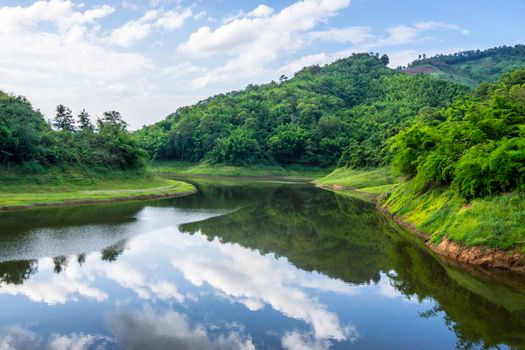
[58,289]
[61,13]
[257,39]
[134,31]
[169,330]
[15,337]
[254,280]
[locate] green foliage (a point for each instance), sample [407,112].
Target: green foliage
[28,142]
[350,108]
[471,67]
[496,221]
[238,148]
[23,131]
[477,145]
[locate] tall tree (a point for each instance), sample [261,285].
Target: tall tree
[113,118]
[64,119]
[84,123]
[385,59]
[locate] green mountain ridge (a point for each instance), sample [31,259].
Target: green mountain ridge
[342,113]
[471,67]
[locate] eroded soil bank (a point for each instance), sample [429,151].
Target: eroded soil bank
[484,256]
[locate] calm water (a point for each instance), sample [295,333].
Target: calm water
[241,265]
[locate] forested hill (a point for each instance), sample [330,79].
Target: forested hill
[340,113]
[31,144]
[471,67]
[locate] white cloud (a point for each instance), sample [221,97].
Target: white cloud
[254,42]
[306,61]
[59,289]
[300,341]
[170,330]
[18,338]
[135,31]
[172,20]
[261,11]
[247,277]
[404,34]
[61,13]
[352,35]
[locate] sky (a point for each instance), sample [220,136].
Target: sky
[146,58]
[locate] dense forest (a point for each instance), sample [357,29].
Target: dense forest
[476,145]
[470,67]
[29,142]
[342,113]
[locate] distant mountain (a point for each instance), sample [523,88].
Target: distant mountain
[471,67]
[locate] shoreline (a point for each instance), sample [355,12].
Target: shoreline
[484,256]
[75,202]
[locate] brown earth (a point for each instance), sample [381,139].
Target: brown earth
[484,256]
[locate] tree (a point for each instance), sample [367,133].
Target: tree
[84,123]
[113,117]
[64,119]
[385,59]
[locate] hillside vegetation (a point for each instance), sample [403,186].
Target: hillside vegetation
[342,113]
[29,143]
[71,161]
[465,167]
[471,67]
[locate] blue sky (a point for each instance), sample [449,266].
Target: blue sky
[147,58]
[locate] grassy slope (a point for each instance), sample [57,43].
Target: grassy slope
[373,182]
[58,186]
[184,168]
[495,221]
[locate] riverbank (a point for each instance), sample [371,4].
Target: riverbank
[364,184]
[486,231]
[204,169]
[74,187]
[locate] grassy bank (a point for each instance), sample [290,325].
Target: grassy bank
[204,169]
[494,221]
[372,182]
[77,186]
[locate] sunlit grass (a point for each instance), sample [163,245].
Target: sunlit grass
[495,221]
[374,181]
[58,186]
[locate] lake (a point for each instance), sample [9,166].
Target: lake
[242,265]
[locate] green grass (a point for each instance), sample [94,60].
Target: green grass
[184,168]
[495,221]
[57,186]
[371,181]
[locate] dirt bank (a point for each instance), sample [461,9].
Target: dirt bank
[484,256]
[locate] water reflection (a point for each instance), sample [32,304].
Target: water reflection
[242,266]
